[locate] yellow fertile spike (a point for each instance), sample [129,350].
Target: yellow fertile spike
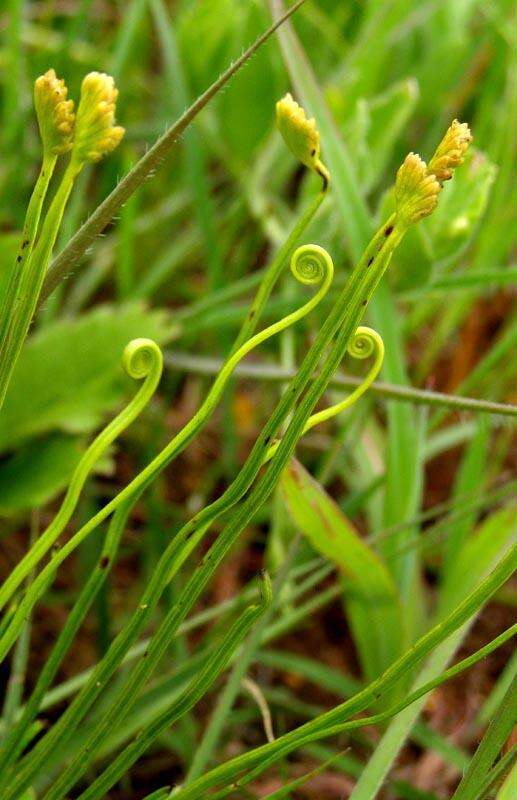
[416,191]
[449,153]
[300,134]
[96,134]
[54,112]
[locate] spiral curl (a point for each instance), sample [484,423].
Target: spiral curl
[310,264]
[141,357]
[364,343]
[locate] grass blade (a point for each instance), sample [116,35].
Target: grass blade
[491,744]
[370,595]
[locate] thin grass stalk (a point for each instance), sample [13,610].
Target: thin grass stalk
[364,284]
[196,689]
[332,721]
[490,746]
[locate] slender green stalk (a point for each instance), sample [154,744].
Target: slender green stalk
[376,719]
[31,281]
[204,365]
[274,270]
[142,359]
[364,342]
[30,228]
[490,746]
[337,720]
[196,689]
[227,697]
[14,743]
[160,794]
[15,686]
[504,681]
[497,773]
[309,264]
[362,282]
[69,687]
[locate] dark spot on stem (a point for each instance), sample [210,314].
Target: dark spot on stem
[364,302]
[252,313]
[267,439]
[370,260]
[104,562]
[388,230]
[18,259]
[325,180]
[25,243]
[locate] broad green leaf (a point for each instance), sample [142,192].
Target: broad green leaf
[39,470]
[370,596]
[70,374]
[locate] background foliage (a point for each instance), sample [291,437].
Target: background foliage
[416,496]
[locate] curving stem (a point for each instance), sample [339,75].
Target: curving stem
[310,264]
[365,343]
[142,359]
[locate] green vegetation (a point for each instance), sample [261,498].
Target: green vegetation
[236,220]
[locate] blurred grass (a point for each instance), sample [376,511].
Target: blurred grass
[381,78]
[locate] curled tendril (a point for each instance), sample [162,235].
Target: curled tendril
[142,359]
[127,495]
[365,343]
[310,264]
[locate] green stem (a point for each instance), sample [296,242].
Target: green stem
[335,721]
[199,686]
[175,446]
[491,744]
[31,281]
[142,359]
[342,321]
[30,229]
[206,365]
[384,716]
[274,271]
[14,743]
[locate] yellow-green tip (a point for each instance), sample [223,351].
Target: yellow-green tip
[96,134]
[416,191]
[451,150]
[54,112]
[301,135]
